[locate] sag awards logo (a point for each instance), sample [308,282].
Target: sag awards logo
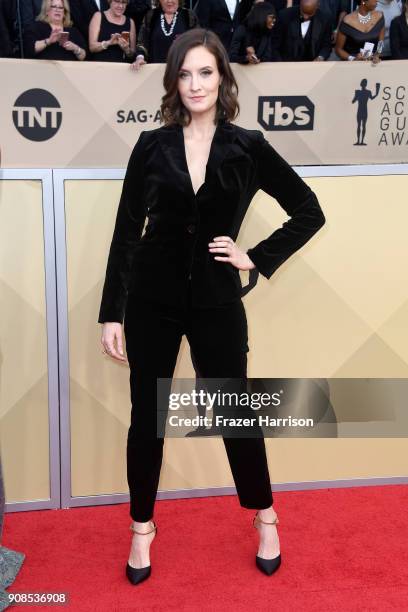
[391,118]
[286,113]
[37,115]
[137,116]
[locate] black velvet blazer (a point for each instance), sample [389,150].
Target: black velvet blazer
[173,249]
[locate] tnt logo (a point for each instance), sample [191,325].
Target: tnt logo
[37,115]
[285,112]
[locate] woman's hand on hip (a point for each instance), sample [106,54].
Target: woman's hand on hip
[112,335]
[224,244]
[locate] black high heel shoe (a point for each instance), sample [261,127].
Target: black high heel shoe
[138,574]
[267,566]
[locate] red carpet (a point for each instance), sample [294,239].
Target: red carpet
[342,549]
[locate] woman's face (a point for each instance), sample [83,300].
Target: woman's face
[169,6]
[270,21]
[199,80]
[55,12]
[118,7]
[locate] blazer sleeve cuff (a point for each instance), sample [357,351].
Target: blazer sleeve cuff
[260,262]
[114,314]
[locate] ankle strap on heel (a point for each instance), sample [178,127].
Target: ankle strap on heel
[132,528]
[259,520]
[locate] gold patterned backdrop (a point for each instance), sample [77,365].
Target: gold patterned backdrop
[337,308]
[24,428]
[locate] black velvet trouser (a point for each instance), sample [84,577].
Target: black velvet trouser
[218,340]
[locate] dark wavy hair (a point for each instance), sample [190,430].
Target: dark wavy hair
[256,18]
[172,109]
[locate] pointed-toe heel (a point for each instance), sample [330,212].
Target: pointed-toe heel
[136,575]
[267,566]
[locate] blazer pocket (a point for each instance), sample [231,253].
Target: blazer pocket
[231,272]
[148,249]
[148,261]
[146,255]
[237,277]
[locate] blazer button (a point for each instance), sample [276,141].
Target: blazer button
[191,228]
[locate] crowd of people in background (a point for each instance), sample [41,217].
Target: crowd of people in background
[252,31]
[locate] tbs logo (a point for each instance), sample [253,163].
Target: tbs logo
[285,113]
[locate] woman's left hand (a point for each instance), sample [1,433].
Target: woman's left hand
[236,257]
[251,56]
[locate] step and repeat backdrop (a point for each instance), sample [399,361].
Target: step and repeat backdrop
[337,309]
[66,115]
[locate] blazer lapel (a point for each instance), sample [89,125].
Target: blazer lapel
[171,140]
[223,148]
[235,16]
[171,143]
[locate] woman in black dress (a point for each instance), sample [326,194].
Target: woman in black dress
[194,178]
[112,35]
[253,41]
[52,36]
[161,25]
[365,24]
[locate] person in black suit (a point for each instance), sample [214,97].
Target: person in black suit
[399,34]
[194,178]
[222,17]
[7,18]
[305,33]
[82,12]
[137,9]
[29,10]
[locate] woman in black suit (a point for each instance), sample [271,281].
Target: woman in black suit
[194,178]
[399,34]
